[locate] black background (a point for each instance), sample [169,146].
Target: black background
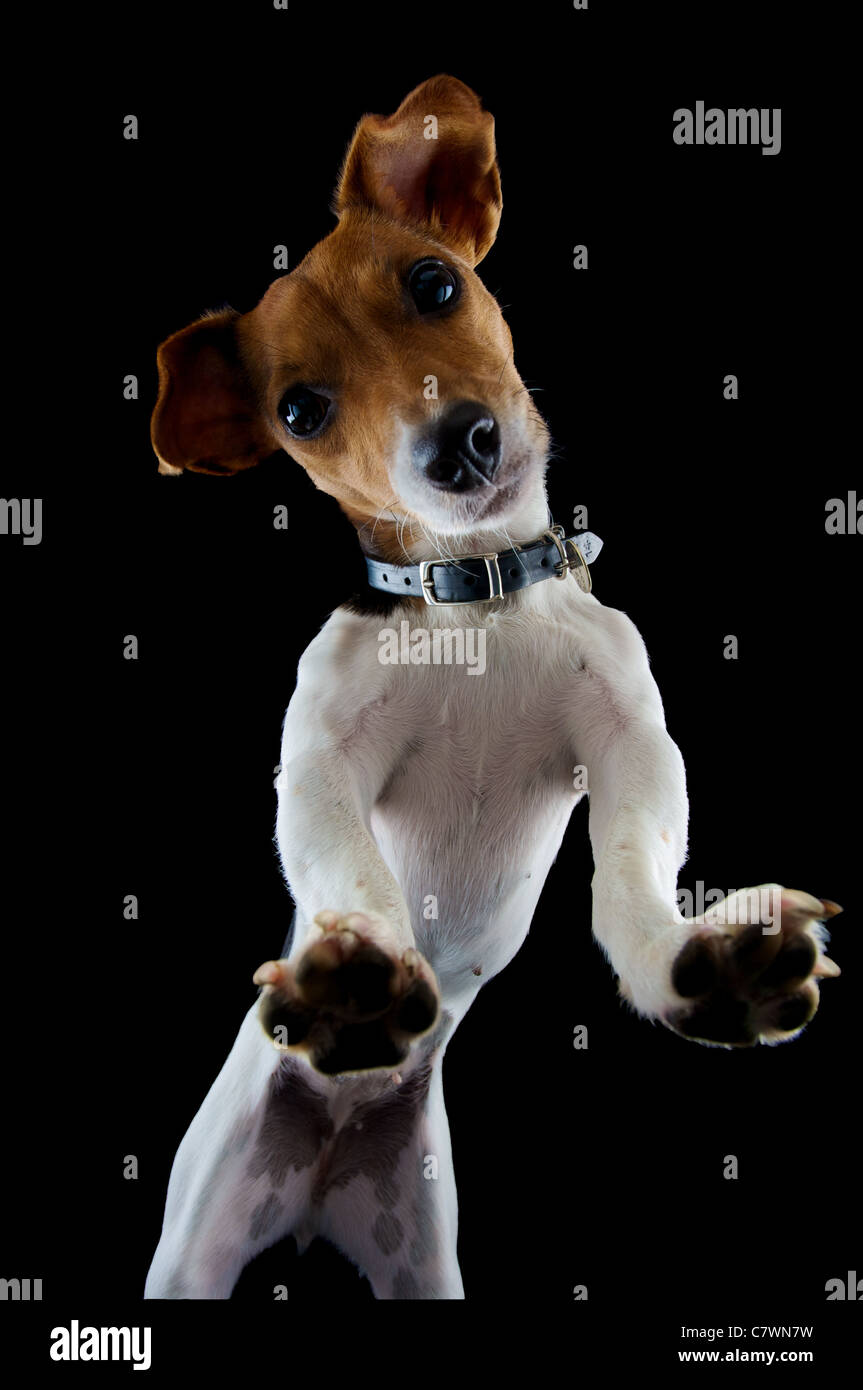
[154,777]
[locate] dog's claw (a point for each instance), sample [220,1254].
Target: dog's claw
[270,973]
[826,967]
[327,921]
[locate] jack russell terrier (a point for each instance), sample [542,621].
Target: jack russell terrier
[419,811]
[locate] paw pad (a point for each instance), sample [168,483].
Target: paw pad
[349,1004]
[745,984]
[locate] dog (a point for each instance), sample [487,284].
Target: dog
[420,810]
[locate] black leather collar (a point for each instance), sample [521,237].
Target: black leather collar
[480,578]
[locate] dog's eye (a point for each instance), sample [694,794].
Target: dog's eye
[432,285]
[303,411]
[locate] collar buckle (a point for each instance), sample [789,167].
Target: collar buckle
[574,564]
[495,583]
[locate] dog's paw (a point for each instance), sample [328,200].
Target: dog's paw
[348,1003]
[744,983]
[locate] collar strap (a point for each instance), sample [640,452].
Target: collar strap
[480,578]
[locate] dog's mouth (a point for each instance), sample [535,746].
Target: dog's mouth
[455,513]
[453,495]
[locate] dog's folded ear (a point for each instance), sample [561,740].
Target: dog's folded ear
[431,164]
[206,417]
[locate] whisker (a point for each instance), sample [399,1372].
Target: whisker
[378,518]
[512,546]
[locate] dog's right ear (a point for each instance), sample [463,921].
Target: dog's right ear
[206,417]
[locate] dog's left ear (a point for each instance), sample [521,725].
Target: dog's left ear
[431,164]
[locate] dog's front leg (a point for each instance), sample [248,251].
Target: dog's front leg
[743,972]
[354,993]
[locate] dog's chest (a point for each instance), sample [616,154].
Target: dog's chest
[469,748]
[481,785]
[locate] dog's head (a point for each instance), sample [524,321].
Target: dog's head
[381,363]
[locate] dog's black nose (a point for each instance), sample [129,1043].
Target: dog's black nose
[463,449]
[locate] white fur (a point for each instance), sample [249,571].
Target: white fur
[475,819]
[400,783]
